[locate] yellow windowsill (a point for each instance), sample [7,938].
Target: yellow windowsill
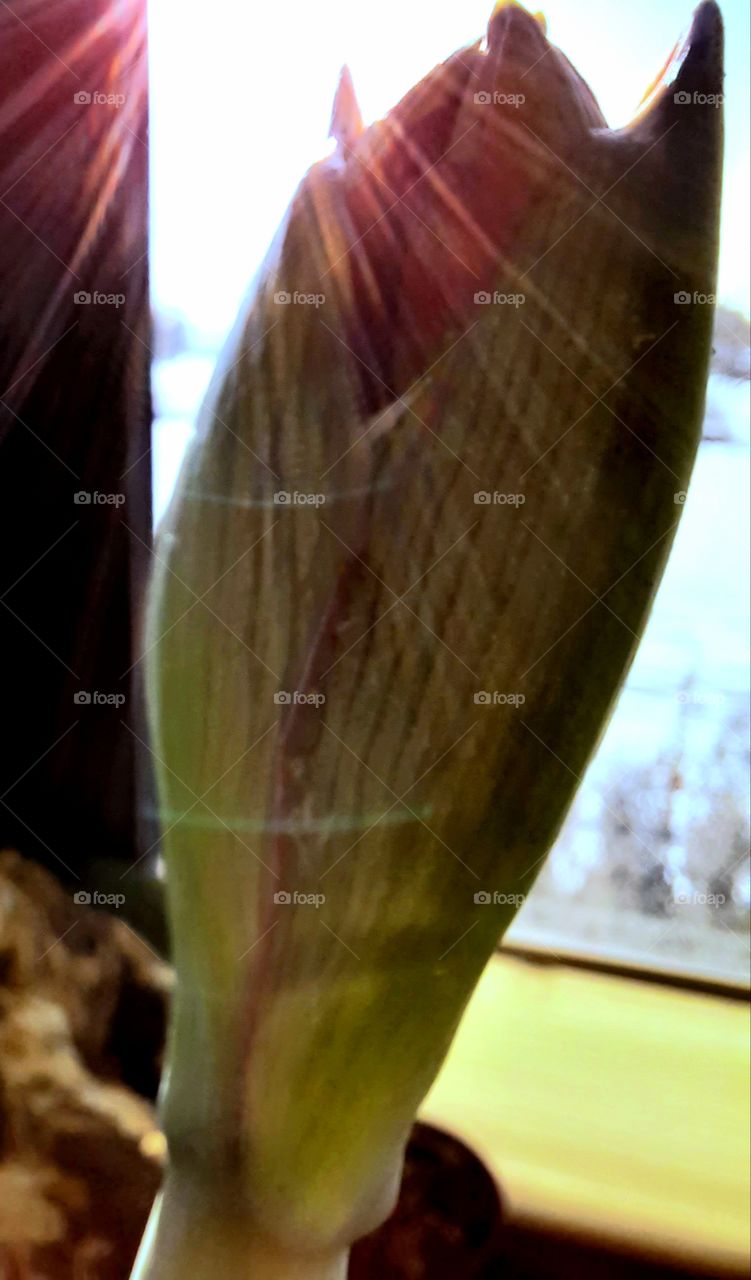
[607,1107]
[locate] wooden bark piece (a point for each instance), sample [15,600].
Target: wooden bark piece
[80,1155]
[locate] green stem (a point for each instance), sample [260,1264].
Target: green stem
[197,1235]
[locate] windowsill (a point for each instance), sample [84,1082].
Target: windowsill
[622,962]
[610,1110]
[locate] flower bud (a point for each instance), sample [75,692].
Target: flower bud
[410,556]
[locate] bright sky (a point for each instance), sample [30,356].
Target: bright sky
[241,99]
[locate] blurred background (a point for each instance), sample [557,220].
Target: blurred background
[652,866]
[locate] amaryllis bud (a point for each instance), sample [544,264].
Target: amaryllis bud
[409,559]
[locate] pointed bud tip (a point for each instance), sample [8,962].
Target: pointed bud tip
[346,120]
[500,5]
[510,15]
[704,47]
[692,75]
[707,19]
